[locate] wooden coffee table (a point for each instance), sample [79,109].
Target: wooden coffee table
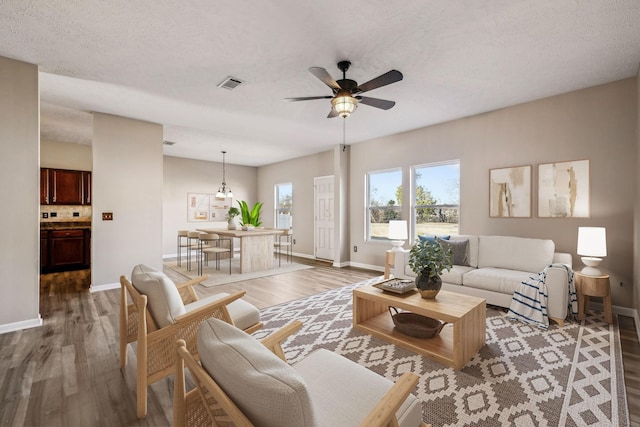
[456,344]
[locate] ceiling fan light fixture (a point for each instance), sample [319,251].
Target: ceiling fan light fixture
[344,105]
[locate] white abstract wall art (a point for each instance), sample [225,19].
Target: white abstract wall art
[564,189]
[510,192]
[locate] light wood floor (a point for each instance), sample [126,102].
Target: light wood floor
[66,373]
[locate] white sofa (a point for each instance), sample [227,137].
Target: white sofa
[496,265]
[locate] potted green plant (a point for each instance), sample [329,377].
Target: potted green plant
[231,214]
[250,217]
[428,260]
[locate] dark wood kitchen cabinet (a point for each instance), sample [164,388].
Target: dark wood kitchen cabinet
[65,187]
[64,250]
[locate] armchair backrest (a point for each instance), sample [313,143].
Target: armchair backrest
[266,389]
[163,299]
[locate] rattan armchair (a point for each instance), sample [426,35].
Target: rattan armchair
[155,351]
[209,405]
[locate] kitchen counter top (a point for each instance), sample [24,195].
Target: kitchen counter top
[65,225]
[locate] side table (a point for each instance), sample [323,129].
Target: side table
[593,286]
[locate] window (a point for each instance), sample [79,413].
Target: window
[284,204]
[436,198]
[384,202]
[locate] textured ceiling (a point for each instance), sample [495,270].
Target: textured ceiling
[161,61]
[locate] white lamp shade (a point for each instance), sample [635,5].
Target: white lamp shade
[398,230]
[592,241]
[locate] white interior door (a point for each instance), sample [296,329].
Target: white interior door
[324,225]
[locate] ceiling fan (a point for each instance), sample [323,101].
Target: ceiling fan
[346,92]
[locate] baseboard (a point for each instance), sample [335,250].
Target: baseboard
[366,266]
[105,287]
[23,324]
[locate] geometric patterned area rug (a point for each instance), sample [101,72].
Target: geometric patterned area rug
[523,376]
[222,276]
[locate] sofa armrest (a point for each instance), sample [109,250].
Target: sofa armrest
[557,282]
[562,258]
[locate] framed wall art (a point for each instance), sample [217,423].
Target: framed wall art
[564,189]
[203,207]
[510,192]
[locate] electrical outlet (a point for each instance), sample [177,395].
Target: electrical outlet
[45,214]
[294,241]
[54,214]
[107,216]
[76,214]
[355,249]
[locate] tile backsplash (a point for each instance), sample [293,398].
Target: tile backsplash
[65,213]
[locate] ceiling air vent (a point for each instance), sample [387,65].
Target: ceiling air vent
[231,83]
[169,143]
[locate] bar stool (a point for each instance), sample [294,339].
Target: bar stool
[182,243]
[211,243]
[286,244]
[193,244]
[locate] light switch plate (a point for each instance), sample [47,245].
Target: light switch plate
[107,216]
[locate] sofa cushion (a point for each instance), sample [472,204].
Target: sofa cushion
[473,247]
[163,298]
[242,313]
[333,380]
[266,389]
[459,250]
[455,275]
[432,238]
[495,279]
[515,253]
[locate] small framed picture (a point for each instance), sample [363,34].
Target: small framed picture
[510,192]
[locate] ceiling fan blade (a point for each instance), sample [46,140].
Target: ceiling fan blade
[333,113]
[376,102]
[383,80]
[308,98]
[325,77]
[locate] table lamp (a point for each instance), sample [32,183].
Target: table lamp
[592,245]
[398,234]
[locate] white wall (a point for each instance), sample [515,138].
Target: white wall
[19,195]
[182,176]
[127,181]
[64,155]
[598,124]
[636,228]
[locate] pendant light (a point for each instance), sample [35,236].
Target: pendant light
[224,191]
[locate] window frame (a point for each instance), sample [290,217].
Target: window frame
[413,232]
[368,207]
[277,209]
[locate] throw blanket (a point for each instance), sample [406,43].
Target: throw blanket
[529,303]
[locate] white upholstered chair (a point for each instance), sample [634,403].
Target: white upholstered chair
[244,382]
[161,313]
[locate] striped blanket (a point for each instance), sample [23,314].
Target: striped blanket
[529,303]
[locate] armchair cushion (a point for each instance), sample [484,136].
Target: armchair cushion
[265,388]
[332,378]
[244,315]
[163,298]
